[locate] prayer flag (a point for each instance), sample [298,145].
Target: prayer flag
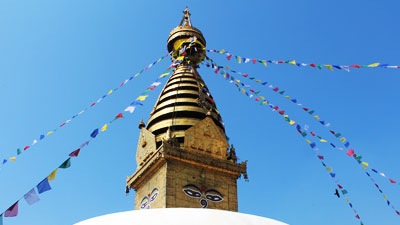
[366,164]
[41,137]
[75,153]
[94,133]
[12,211]
[246,60]
[392,181]
[239,59]
[329,169]
[104,127]
[316,117]
[13,159]
[332,174]
[142,98]
[342,140]
[350,152]
[48,134]
[19,151]
[320,157]
[164,74]
[329,67]
[4,161]
[1,219]
[110,92]
[355,66]
[31,197]
[346,68]
[43,186]
[136,103]
[84,144]
[293,62]
[322,140]
[119,116]
[373,65]
[52,176]
[264,62]
[66,164]
[26,147]
[229,57]
[313,145]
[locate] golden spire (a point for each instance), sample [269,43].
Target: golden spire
[185,99]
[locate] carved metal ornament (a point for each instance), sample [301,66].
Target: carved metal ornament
[150,198]
[203,194]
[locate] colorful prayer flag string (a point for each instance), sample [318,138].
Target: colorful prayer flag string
[276,89]
[312,145]
[241,59]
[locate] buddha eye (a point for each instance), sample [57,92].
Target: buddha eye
[144,203]
[192,193]
[214,198]
[153,197]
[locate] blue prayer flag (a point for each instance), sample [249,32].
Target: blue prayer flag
[43,186]
[294,100]
[332,174]
[136,103]
[94,133]
[41,137]
[347,144]
[374,170]
[264,83]
[4,161]
[313,145]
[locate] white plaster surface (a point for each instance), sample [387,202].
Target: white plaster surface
[179,216]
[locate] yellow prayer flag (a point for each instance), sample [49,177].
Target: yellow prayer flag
[238,81]
[109,92]
[202,85]
[292,122]
[137,74]
[243,91]
[342,140]
[347,200]
[285,116]
[262,97]
[216,111]
[13,159]
[366,164]
[329,169]
[309,142]
[49,133]
[258,81]
[164,74]
[179,58]
[384,196]
[104,127]
[265,102]
[239,59]
[264,62]
[329,67]
[287,97]
[322,140]
[142,98]
[52,176]
[364,167]
[158,60]
[227,68]
[293,62]
[222,51]
[316,117]
[374,65]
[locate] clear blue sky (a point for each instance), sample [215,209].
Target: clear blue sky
[57,57]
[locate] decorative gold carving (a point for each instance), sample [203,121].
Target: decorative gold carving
[146,146]
[206,137]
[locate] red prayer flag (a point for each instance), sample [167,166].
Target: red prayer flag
[350,152]
[357,216]
[320,157]
[252,90]
[212,100]
[333,132]
[398,213]
[62,124]
[312,64]
[245,75]
[217,70]
[254,61]
[392,181]
[121,84]
[75,153]
[281,112]
[305,109]
[257,99]
[276,107]
[356,66]
[119,116]
[312,133]
[280,61]
[229,57]
[94,103]
[12,211]
[340,186]
[276,89]
[26,147]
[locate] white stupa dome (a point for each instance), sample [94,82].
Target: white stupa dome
[180,216]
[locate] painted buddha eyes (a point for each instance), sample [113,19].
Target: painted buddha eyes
[194,192]
[147,200]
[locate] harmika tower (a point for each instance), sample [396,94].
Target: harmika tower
[183,156]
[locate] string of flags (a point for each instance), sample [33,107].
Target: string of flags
[313,146]
[43,136]
[240,59]
[277,90]
[32,196]
[291,122]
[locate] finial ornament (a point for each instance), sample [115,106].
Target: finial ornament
[186,18]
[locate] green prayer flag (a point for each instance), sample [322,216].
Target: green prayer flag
[338,135]
[281,92]
[344,191]
[304,134]
[287,61]
[257,92]
[319,66]
[19,151]
[323,164]
[311,112]
[66,164]
[251,78]
[145,91]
